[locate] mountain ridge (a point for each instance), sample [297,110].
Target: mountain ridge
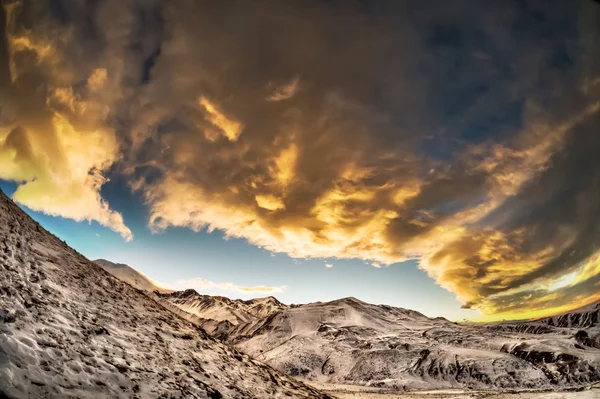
[218,312]
[349,341]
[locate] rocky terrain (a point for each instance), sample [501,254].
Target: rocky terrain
[70,329]
[352,342]
[217,314]
[357,392]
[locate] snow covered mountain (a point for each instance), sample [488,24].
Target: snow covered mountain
[131,276]
[70,329]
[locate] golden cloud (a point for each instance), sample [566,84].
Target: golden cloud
[58,152]
[570,291]
[230,128]
[286,91]
[269,202]
[59,170]
[175,203]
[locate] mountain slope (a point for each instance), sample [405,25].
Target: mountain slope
[351,342]
[130,276]
[70,329]
[348,341]
[587,316]
[218,313]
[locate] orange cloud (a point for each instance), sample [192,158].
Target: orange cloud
[230,128]
[286,91]
[369,215]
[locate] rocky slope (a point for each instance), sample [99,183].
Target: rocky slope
[351,342]
[70,329]
[129,275]
[588,316]
[217,314]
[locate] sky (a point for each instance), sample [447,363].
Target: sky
[439,156]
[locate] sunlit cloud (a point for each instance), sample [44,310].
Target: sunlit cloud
[286,91]
[564,281]
[269,202]
[314,181]
[230,128]
[570,291]
[57,153]
[320,187]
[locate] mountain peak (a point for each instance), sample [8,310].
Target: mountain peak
[349,300]
[188,293]
[267,299]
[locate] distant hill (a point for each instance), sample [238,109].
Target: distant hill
[129,275]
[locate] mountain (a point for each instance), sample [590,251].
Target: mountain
[129,275]
[70,329]
[263,307]
[587,316]
[352,342]
[217,313]
[348,341]
[582,318]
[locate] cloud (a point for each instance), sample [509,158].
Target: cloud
[328,265]
[202,285]
[286,91]
[231,129]
[445,134]
[55,139]
[269,202]
[572,290]
[338,174]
